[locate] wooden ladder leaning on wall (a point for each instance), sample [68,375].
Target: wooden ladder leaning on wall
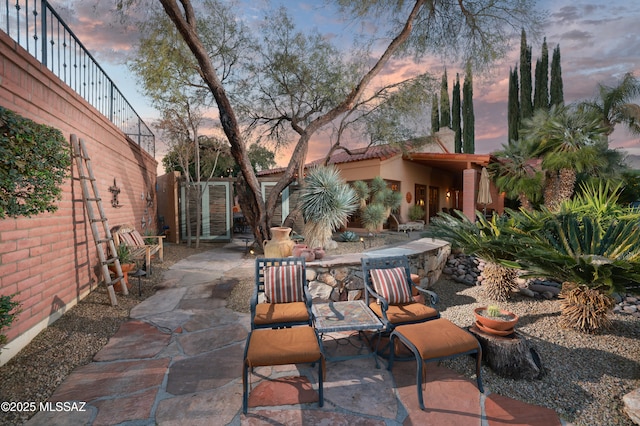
[92,199]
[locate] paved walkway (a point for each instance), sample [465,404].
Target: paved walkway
[179,361]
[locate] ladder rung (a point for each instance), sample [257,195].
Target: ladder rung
[94,199]
[104,219]
[110,261]
[104,240]
[87,178]
[115,281]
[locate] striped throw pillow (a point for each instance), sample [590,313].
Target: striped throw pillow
[283,284]
[391,284]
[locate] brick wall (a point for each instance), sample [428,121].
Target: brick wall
[50,259]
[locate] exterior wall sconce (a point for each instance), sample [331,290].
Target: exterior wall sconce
[114,190]
[448,194]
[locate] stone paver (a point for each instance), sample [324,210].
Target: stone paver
[179,362]
[134,339]
[109,379]
[209,370]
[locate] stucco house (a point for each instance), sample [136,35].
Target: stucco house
[427,173]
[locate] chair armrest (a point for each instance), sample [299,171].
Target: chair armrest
[429,295]
[383,302]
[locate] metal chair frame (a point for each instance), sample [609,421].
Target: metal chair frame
[261,264]
[420,362]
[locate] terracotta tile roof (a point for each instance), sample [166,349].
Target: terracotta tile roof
[381,152]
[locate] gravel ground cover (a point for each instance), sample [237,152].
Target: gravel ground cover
[585,376]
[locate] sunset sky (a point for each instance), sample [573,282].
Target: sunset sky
[598,43]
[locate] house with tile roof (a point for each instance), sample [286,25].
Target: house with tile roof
[426,171]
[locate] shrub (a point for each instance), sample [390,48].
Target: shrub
[34,161]
[416,212]
[9,310]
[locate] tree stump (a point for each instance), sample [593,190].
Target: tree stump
[510,356]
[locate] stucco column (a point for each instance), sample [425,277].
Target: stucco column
[469,191]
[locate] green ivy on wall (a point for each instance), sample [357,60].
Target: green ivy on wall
[34,161]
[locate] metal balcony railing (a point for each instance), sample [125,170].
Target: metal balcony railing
[39,29]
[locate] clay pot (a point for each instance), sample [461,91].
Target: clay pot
[318,252]
[281,244]
[297,249]
[126,268]
[308,254]
[501,326]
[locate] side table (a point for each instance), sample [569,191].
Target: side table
[347,316]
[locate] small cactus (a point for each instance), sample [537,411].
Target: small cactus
[493,311]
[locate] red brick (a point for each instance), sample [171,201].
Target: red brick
[27,243]
[29,262]
[8,246]
[17,234]
[37,251]
[15,256]
[25,286]
[7,225]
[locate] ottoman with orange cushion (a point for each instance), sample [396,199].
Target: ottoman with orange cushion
[282,346]
[436,340]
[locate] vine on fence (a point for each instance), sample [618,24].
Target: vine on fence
[34,161]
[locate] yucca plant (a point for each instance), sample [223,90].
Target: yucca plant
[373,216]
[377,201]
[487,239]
[326,203]
[579,250]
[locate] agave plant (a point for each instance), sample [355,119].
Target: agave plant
[326,203]
[587,255]
[487,239]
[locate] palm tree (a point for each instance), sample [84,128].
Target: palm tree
[518,174]
[569,140]
[614,105]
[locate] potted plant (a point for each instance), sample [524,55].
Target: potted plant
[416,213]
[126,264]
[494,320]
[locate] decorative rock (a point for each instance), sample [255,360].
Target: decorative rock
[341,273]
[320,290]
[526,292]
[311,274]
[630,309]
[539,288]
[632,405]
[328,279]
[354,295]
[547,295]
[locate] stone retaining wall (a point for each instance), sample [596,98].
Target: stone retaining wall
[339,277]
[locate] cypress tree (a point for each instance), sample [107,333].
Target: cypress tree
[541,97]
[468,120]
[455,115]
[526,89]
[557,91]
[445,118]
[435,115]
[514,107]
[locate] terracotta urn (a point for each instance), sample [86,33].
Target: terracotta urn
[280,244]
[501,325]
[308,254]
[319,253]
[297,249]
